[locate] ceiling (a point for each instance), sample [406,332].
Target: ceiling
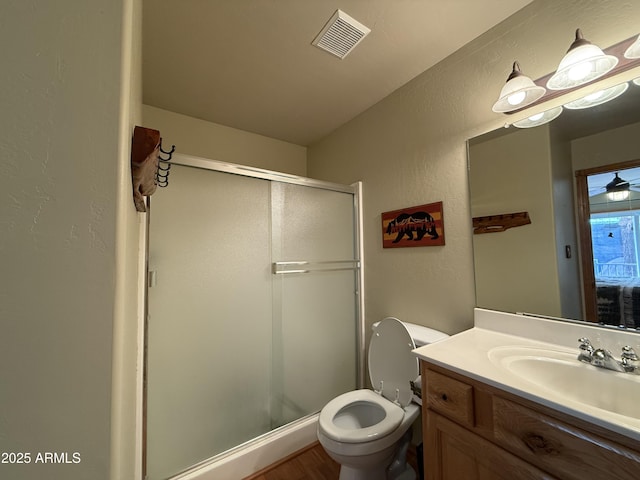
[250,64]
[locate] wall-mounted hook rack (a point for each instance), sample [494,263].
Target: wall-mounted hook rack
[149,169]
[164,165]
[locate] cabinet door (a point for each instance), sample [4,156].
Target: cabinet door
[560,447]
[454,453]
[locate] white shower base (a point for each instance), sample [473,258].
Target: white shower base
[257,454]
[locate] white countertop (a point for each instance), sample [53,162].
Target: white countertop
[467,353]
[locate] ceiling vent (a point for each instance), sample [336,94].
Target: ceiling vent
[340,35]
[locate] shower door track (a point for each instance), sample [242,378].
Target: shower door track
[217,166]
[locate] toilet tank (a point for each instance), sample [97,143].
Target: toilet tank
[421,335]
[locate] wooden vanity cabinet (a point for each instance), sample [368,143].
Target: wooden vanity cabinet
[473,431]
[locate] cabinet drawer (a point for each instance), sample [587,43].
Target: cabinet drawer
[449,397]
[559,448]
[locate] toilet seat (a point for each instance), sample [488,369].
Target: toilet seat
[392,364]
[387,418]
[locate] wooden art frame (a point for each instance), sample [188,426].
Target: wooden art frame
[419,226]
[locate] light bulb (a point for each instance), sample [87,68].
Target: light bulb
[618,196]
[516,98]
[536,117]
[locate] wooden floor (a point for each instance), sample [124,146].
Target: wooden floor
[310,463]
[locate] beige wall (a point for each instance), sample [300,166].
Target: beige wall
[409,149]
[512,173]
[570,283]
[606,148]
[68,232]
[216,142]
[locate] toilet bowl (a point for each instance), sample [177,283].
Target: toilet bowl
[368,431]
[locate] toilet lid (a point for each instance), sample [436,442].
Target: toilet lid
[391,360]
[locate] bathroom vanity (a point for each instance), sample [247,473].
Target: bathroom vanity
[508,400]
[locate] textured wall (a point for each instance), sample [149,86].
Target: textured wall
[217,142]
[410,149]
[60,164]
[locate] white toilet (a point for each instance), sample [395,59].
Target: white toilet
[368,431]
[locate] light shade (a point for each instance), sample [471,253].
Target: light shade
[617,189]
[539,119]
[598,98]
[634,49]
[583,63]
[518,92]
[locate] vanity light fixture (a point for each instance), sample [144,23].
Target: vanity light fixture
[583,63]
[518,92]
[539,118]
[598,98]
[617,189]
[634,50]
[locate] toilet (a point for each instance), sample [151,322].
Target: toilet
[368,432]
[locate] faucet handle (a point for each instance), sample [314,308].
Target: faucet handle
[629,354]
[586,350]
[584,341]
[585,345]
[629,360]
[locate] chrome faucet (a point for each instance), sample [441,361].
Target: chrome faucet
[599,357]
[586,350]
[604,359]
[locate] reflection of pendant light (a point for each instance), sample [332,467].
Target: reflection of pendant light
[583,63]
[518,92]
[598,98]
[539,118]
[617,189]
[634,49]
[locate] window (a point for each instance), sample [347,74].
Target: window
[615,244]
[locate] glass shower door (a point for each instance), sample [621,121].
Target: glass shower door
[242,337]
[209,366]
[314,299]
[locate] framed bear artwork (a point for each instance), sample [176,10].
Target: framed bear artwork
[419,226]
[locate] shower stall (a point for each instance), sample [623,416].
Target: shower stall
[254,308]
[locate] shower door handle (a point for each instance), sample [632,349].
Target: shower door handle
[281,268]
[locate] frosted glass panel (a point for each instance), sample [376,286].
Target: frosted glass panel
[314,313]
[312,224]
[209,365]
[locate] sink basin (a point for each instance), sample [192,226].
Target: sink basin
[561,373]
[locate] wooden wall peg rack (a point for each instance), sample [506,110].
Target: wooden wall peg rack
[500,223]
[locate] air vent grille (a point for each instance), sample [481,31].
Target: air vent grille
[341,34]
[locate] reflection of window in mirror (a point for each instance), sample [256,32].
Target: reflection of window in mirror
[610,232]
[614,238]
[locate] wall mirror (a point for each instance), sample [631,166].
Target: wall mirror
[556,244]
